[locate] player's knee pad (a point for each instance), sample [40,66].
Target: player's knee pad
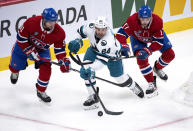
[37,64]
[168,55]
[124,80]
[44,71]
[96,65]
[142,63]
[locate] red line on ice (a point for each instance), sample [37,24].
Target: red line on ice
[40,122]
[166,124]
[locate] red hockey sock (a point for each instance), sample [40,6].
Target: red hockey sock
[166,57]
[44,76]
[146,69]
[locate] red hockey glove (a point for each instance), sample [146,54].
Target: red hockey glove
[65,62]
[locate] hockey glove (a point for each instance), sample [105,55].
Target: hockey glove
[75,45]
[144,53]
[87,74]
[125,50]
[65,65]
[32,53]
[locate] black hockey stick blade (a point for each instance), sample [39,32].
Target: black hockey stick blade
[103,106]
[105,109]
[112,113]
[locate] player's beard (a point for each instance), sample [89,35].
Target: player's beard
[47,28]
[100,35]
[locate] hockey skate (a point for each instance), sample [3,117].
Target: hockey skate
[152,89]
[162,75]
[137,90]
[14,77]
[91,103]
[43,96]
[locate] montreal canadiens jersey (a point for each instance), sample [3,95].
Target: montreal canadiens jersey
[32,33]
[153,33]
[107,45]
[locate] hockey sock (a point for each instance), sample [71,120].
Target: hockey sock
[166,57]
[146,69]
[44,76]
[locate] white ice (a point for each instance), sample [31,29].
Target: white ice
[20,109]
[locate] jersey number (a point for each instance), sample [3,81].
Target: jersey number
[118,53]
[106,51]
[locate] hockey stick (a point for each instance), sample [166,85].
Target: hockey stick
[109,58]
[78,62]
[75,70]
[121,58]
[104,108]
[49,61]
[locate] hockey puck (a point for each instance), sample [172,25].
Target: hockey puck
[100,113]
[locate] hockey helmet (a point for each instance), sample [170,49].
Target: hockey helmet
[49,14]
[101,22]
[145,11]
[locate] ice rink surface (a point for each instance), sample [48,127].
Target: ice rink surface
[21,110]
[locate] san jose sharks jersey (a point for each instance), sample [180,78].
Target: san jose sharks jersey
[107,45]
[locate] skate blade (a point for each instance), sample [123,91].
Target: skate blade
[157,76]
[162,79]
[155,93]
[45,103]
[92,107]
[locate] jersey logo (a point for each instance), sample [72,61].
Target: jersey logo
[103,42]
[39,44]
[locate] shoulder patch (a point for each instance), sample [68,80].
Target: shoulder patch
[91,25]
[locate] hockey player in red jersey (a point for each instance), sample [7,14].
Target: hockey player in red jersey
[33,41]
[146,27]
